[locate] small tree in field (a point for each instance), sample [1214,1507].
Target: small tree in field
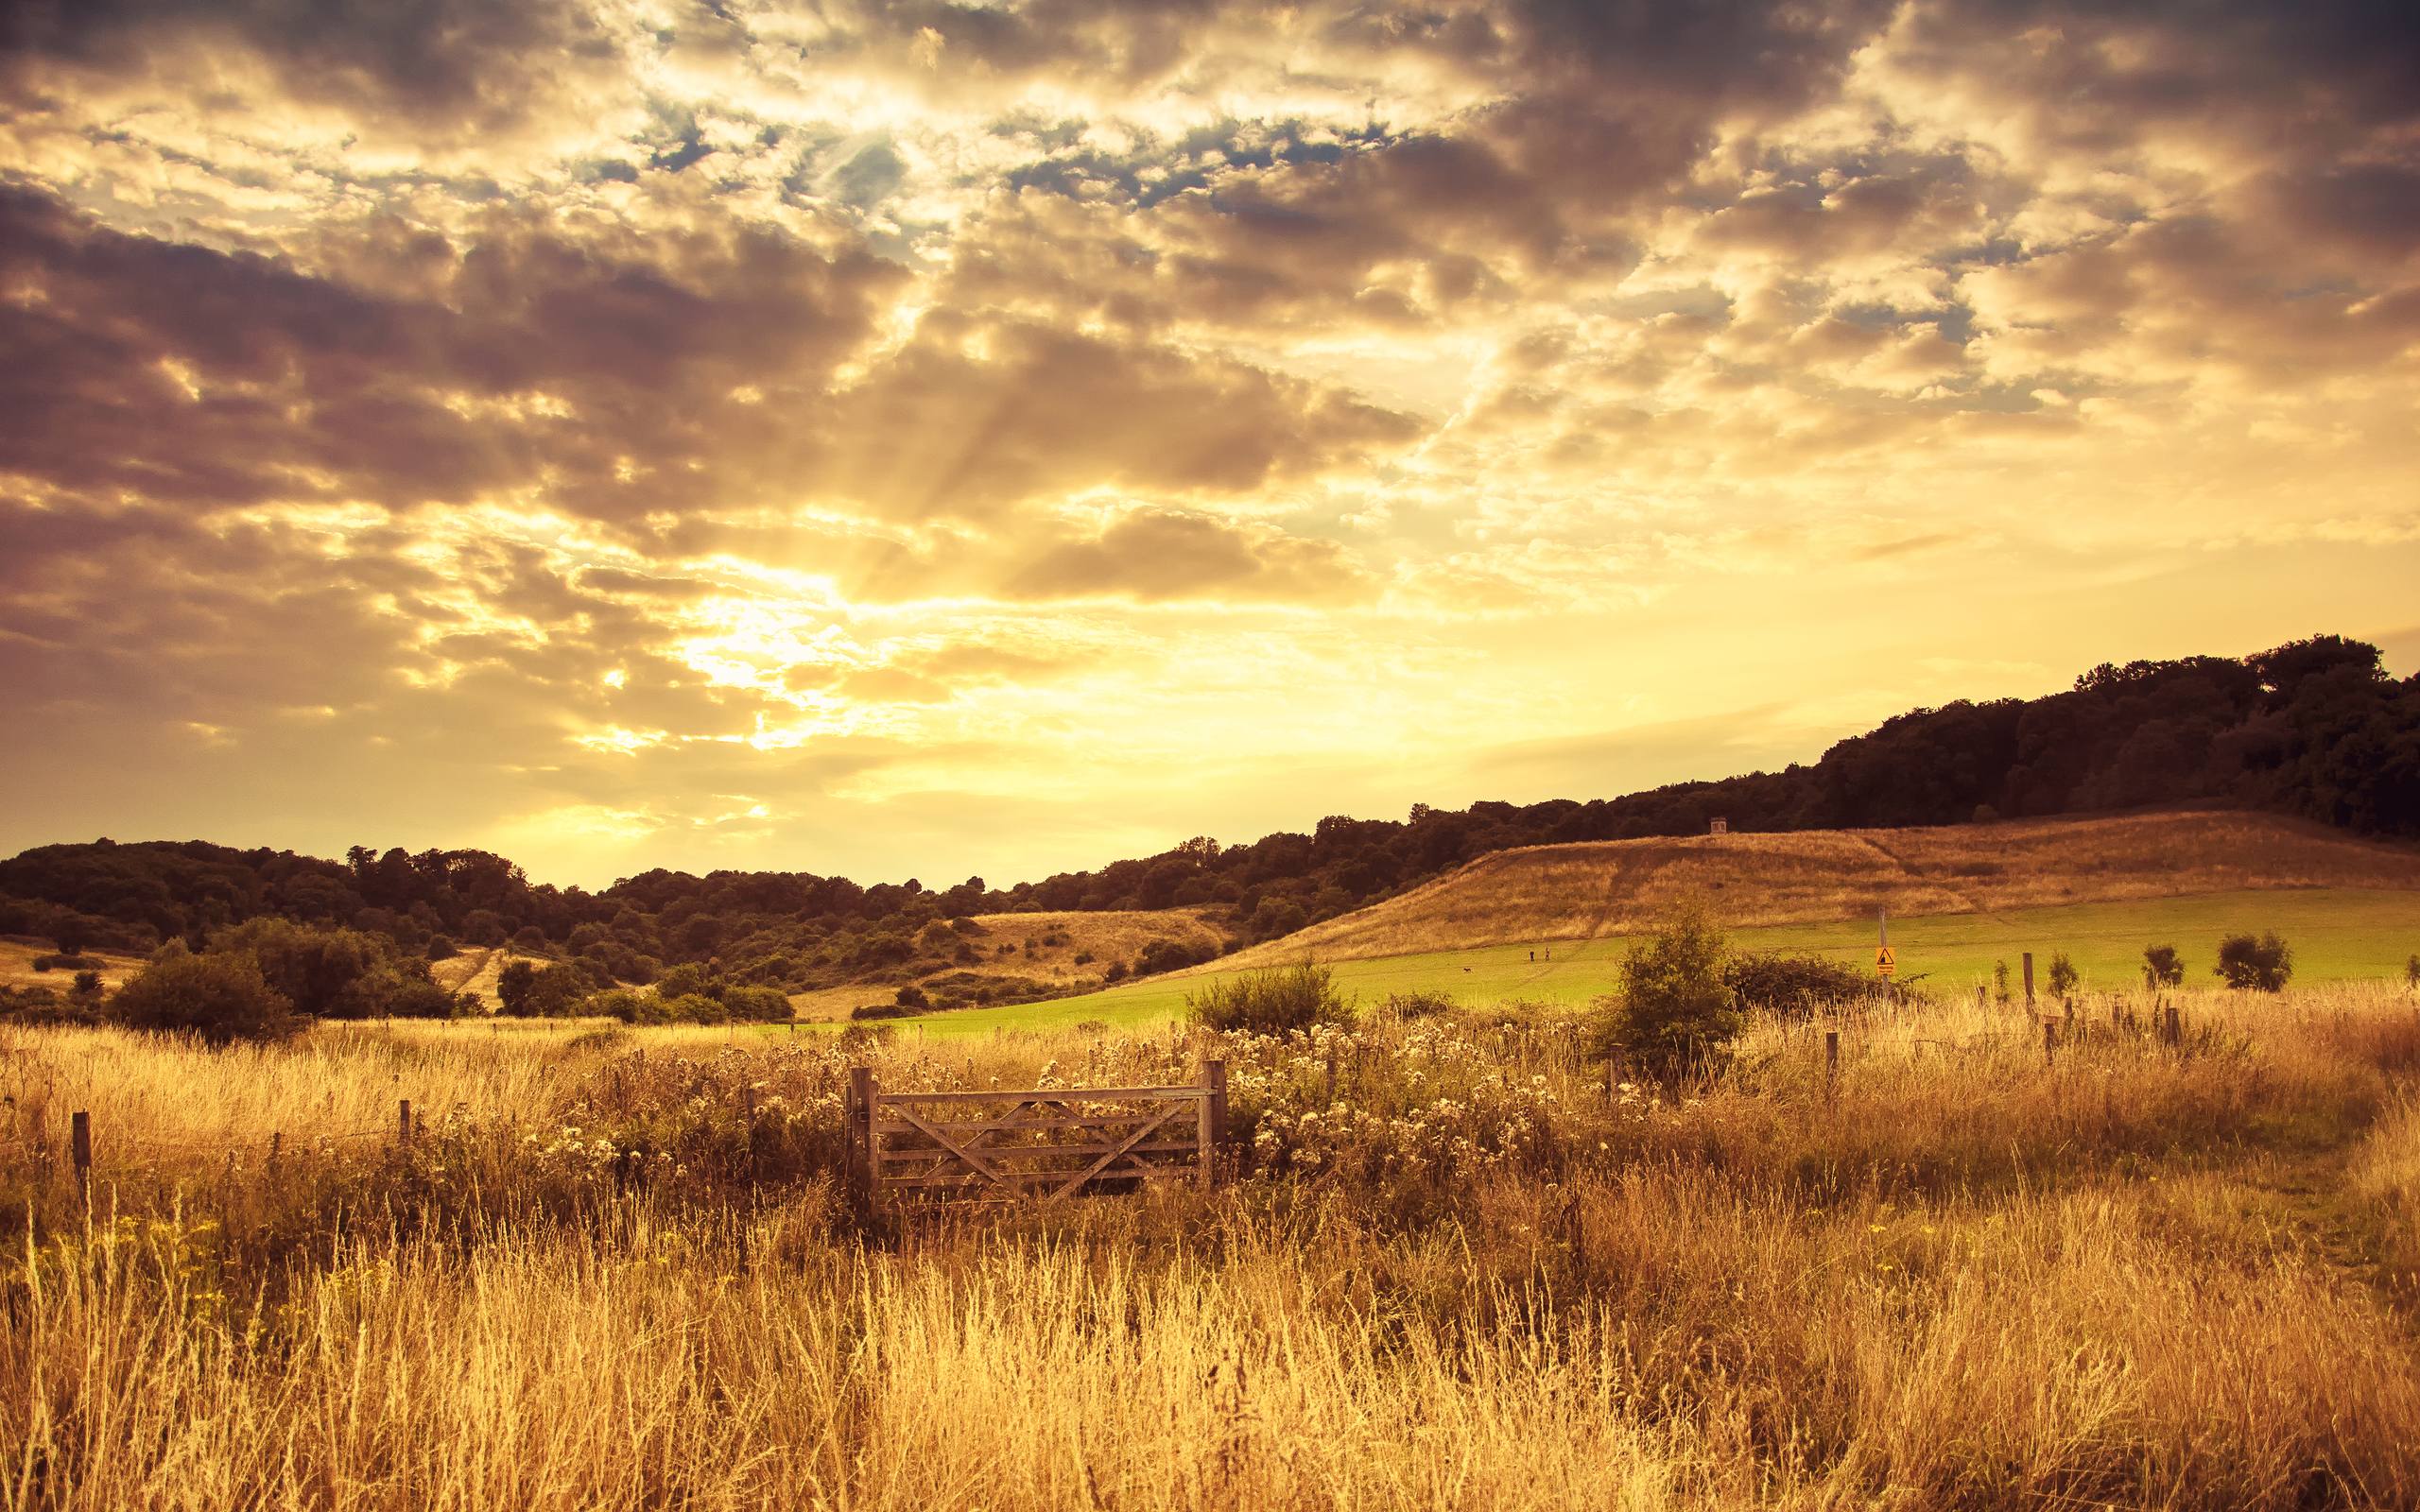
[1676,1013]
[2063,977]
[2262,965]
[2412,972]
[1999,981]
[221,997]
[2162,967]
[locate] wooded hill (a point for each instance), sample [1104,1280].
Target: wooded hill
[2314,728]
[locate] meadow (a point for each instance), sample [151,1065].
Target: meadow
[2339,935]
[1455,1266]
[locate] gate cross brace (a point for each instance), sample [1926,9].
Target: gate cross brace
[1097,1166]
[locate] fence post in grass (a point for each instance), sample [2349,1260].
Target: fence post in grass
[2175,1026]
[1210,1130]
[276,1144]
[79,1139]
[862,1099]
[1831,1064]
[2049,1040]
[2028,981]
[404,1121]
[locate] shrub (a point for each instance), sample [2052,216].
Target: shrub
[936,938]
[2248,965]
[66,961]
[1267,1002]
[1793,985]
[222,996]
[1169,956]
[2162,967]
[912,996]
[880,1010]
[1085,957]
[756,1005]
[2412,972]
[2063,977]
[88,984]
[1412,1006]
[441,949]
[693,1007]
[2000,982]
[1118,972]
[1675,1015]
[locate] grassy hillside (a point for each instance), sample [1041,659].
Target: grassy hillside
[1010,952]
[17,966]
[1574,892]
[2337,935]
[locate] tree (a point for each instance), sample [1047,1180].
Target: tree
[2063,977]
[1675,1014]
[71,936]
[2162,967]
[527,990]
[222,996]
[2262,965]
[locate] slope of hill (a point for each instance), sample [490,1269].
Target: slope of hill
[1564,892]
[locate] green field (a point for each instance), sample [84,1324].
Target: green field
[2337,934]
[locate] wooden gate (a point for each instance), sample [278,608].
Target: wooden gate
[1038,1143]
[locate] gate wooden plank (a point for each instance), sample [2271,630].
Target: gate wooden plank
[1000,1154]
[1094,1169]
[1056,1095]
[961,1151]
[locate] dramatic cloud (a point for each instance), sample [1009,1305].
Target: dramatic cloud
[937,438]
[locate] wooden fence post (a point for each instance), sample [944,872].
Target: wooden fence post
[80,1137]
[404,1121]
[2028,981]
[2049,1040]
[1211,1132]
[863,1097]
[1831,1064]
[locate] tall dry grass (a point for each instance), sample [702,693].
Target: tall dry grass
[1458,1271]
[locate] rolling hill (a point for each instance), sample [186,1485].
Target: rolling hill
[1552,923]
[1571,892]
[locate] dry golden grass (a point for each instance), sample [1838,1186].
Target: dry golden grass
[1106,937]
[1463,1273]
[475,969]
[1057,939]
[17,967]
[1621,886]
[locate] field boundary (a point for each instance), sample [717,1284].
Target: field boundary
[1035,1143]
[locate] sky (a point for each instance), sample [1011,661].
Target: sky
[930,440]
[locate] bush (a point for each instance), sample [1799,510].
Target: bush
[1793,984]
[912,996]
[1170,956]
[2162,967]
[1410,1006]
[222,996]
[881,1010]
[1267,1002]
[66,961]
[2411,971]
[1676,1014]
[2248,965]
[756,1005]
[441,949]
[527,990]
[693,1007]
[88,984]
[2063,977]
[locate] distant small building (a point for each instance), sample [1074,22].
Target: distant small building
[1717,826]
